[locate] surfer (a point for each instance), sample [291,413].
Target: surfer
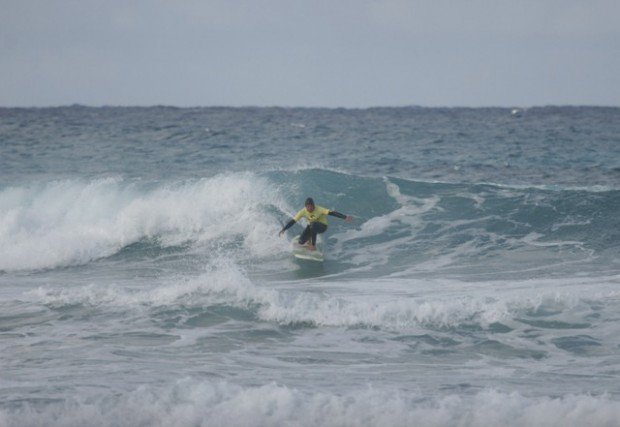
[317,222]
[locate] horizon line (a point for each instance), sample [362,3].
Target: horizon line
[300,107]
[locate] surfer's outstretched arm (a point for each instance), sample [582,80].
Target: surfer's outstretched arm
[287,226]
[347,218]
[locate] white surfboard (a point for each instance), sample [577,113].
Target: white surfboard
[302,252]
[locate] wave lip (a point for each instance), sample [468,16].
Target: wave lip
[73,222]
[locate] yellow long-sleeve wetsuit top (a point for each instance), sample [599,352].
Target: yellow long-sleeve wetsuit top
[318,214]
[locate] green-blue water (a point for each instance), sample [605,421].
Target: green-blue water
[142,280]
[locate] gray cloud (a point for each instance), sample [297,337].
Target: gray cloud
[310,53]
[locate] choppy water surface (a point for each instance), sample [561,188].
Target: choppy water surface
[142,281]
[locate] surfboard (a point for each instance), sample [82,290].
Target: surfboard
[302,252]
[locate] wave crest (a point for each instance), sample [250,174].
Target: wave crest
[73,222]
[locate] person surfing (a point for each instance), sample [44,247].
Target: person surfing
[317,222]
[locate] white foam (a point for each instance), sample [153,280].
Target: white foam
[74,222]
[406,304]
[222,282]
[188,402]
[393,312]
[227,284]
[392,304]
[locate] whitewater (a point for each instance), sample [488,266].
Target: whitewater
[143,282]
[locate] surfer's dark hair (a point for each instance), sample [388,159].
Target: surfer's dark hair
[309,201]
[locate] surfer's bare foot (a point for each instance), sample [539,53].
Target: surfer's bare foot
[311,247]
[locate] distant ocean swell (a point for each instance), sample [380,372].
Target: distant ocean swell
[189,402]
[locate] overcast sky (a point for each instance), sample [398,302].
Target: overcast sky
[332,53]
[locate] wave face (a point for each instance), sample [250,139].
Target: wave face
[143,282]
[401,226]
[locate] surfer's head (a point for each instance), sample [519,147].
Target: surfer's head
[309,204]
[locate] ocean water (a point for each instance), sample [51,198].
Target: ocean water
[143,282]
